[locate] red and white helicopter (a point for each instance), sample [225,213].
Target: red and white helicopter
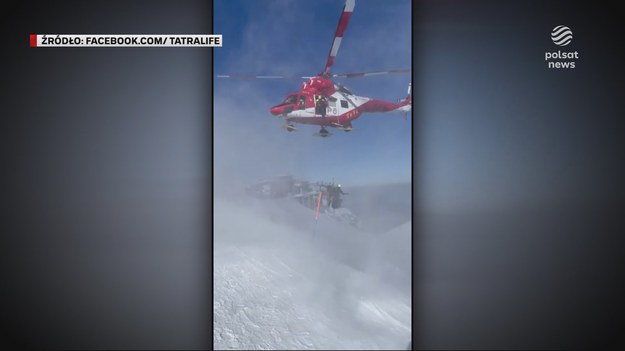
[341,106]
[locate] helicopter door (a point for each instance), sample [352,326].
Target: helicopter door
[331,109]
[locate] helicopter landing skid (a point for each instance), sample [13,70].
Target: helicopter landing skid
[289,127]
[345,128]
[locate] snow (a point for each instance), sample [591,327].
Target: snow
[284,281]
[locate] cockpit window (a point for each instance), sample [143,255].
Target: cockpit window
[302,99]
[291,99]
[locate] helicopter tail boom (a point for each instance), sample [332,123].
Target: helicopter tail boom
[374,105]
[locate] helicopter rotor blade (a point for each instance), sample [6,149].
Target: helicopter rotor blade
[369,74]
[340,30]
[342,75]
[251,76]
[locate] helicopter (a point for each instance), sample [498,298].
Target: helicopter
[323,102]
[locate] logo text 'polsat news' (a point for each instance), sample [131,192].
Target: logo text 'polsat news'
[562,36]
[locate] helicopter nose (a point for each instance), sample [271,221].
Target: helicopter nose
[276,110]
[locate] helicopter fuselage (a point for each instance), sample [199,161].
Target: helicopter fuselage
[342,106]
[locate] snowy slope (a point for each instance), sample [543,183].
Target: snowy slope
[282,281]
[392,259]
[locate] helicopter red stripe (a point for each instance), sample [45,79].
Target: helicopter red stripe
[330,63]
[343,23]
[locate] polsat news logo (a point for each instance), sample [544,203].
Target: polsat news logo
[561,35]
[125,40]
